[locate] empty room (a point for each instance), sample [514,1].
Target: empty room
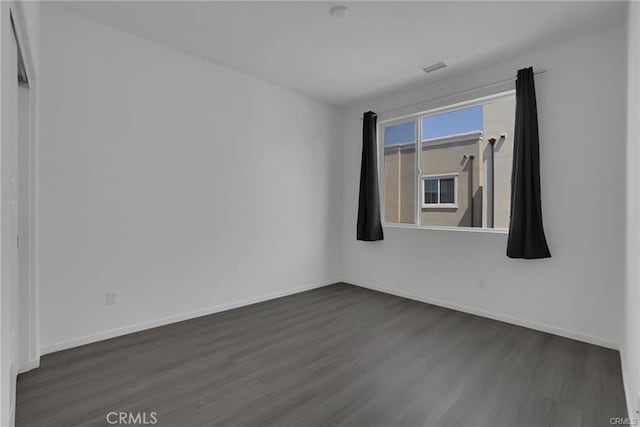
[310,213]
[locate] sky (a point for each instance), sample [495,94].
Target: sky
[452,122]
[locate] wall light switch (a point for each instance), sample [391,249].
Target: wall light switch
[112,297]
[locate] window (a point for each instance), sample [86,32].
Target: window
[399,171]
[439,191]
[450,167]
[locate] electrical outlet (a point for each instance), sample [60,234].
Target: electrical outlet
[112,297]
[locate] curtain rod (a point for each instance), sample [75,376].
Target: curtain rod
[539,71]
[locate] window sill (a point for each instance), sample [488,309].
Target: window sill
[441,206]
[503,231]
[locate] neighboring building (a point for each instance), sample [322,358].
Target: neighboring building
[457,169]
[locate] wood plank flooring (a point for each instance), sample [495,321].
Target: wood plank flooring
[334,356]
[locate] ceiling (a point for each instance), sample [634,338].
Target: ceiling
[378,47]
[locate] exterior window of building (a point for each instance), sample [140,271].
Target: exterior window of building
[439,191]
[450,167]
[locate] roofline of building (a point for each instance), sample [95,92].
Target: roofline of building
[472,136]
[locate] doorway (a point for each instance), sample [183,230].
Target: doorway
[18,175]
[18,321]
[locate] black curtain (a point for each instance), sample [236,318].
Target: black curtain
[369,221]
[526,234]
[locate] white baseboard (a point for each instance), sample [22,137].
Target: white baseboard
[88,339]
[75,342]
[31,364]
[496,316]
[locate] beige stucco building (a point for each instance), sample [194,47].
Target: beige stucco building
[462,182]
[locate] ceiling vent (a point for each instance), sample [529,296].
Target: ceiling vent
[433,67]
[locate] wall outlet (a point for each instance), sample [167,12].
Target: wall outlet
[112,297]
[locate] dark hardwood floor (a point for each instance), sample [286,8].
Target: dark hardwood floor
[338,355]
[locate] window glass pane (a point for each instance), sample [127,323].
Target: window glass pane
[400,172]
[452,122]
[446,190]
[400,133]
[431,191]
[457,142]
[499,121]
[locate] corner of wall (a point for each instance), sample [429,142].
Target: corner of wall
[338,168]
[630,346]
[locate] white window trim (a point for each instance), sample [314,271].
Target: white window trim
[439,205]
[416,116]
[447,107]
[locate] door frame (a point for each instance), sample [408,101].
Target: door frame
[32,329]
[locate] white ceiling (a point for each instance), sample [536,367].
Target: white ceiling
[378,47]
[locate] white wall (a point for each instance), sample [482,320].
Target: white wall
[185,186]
[578,292]
[630,348]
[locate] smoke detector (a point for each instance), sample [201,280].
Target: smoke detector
[433,67]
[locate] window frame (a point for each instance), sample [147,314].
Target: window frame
[440,177]
[417,116]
